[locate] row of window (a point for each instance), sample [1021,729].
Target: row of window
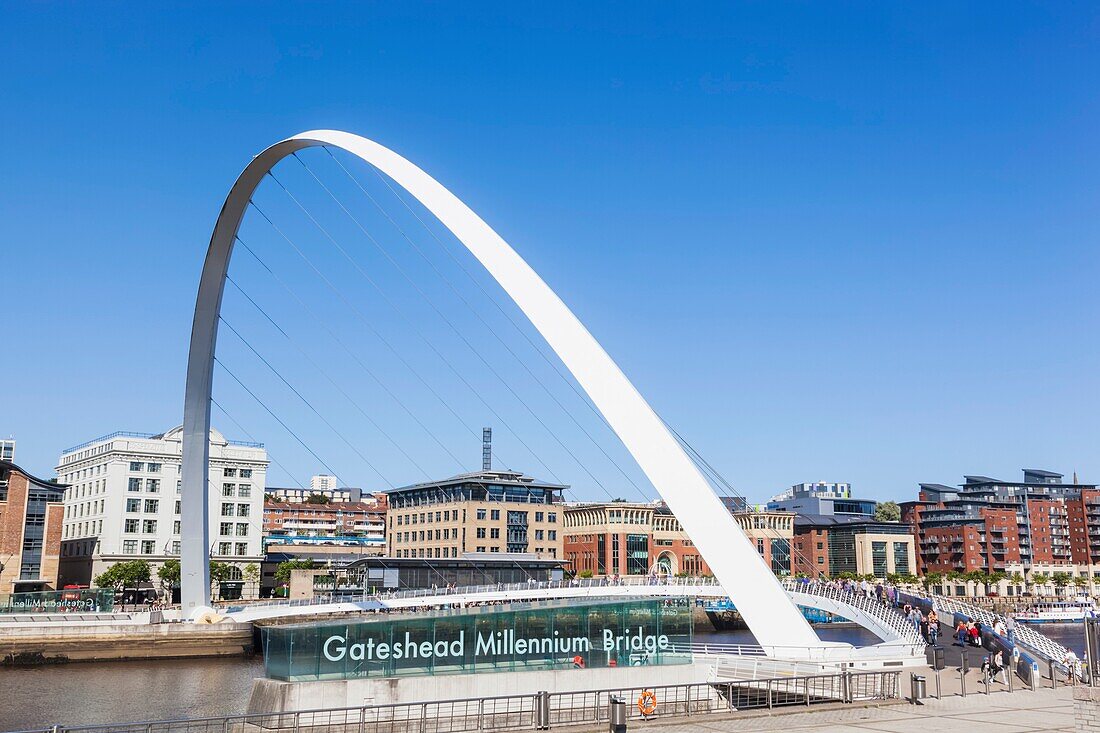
[451,515]
[146,467]
[243,491]
[226,529]
[242,510]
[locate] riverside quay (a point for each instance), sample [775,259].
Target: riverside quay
[551,635]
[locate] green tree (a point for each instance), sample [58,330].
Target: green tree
[931,579]
[584,574]
[251,572]
[318,499]
[169,574]
[888,511]
[124,575]
[282,570]
[1061,580]
[1039,579]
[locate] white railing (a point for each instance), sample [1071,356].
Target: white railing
[856,599]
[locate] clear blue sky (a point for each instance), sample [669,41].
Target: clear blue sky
[827,243]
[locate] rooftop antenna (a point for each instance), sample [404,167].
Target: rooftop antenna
[487,449]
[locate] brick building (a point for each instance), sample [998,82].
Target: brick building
[987,524]
[360,524]
[32,512]
[834,544]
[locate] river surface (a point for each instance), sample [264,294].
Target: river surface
[109,692]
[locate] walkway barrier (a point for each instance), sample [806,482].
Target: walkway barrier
[522,712]
[1039,650]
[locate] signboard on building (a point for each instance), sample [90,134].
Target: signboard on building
[552,635]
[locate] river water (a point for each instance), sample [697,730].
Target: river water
[73,694]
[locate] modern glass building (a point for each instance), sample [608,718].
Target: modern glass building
[536,636]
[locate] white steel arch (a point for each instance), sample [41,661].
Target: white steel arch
[753,588]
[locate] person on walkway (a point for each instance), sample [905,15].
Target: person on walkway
[999,627]
[997,666]
[915,618]
[961,634]
[933,627]
[975,633]
[1010,628]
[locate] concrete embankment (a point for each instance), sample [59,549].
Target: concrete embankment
[32,644]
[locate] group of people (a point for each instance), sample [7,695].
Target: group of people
[925,624]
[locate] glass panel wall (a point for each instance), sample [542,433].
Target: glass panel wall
[96,600]
[553,635]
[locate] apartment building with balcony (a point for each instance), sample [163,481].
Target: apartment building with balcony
[988,524]
[355,524]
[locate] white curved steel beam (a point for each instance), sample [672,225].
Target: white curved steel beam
[755,591]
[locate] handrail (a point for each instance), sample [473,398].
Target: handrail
[516,712]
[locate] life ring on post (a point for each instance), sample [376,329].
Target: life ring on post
[647,703]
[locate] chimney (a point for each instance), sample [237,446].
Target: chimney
[487,449]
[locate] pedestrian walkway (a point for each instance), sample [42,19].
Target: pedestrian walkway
[1042,711]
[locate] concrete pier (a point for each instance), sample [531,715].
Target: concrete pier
[44,643]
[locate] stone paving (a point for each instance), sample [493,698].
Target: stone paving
[1023,711]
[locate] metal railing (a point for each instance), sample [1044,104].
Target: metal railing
[858,600]
[520,712]
[1031,640]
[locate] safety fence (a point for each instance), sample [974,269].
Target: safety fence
[539,711]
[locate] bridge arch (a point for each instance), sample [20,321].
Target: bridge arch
[757,593]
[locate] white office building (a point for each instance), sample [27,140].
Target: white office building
[7,450]
[123,503]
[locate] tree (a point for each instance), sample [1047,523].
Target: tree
[931,579]
[1039,579]
[169,574]
[124,575]
[251,572]
[1061,580]
[282,570]
[888,511]
[1016,579]
[318,499]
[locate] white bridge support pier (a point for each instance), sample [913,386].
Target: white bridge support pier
[755,591]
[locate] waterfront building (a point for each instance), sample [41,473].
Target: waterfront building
[482,512]
[31,512]
[987,524]
[7,450]
[473,568]
[361,524]
[822,498]
[624,538]
[123,502]
[830,545]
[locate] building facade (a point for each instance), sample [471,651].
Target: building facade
[822,498]
[831,545]
[31,512]
[7,450]
[361,524]
[988,524]
[123,502]
[483,512]
[622,538]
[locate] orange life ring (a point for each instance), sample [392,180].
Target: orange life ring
[647,702]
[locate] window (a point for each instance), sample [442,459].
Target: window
[176,547]
[242,548]
[227,510]
[225,548]
[242,510]
[135,484]
[539,516]
[136,466]
[148,547]
[494,514]
[176,527]
[481,514]
[229,472]
[494,548]
[149,526]
[481,548]
[177,506]
[494,533]
[552,534]
[152,506]
[129,547]
[133,505]
[153,468]
[538,534]
[480,533]
[246,473]
[152,485]
[244,491]
[552,517]
[242,530]
[229,489]
[130,526]
[225,529]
